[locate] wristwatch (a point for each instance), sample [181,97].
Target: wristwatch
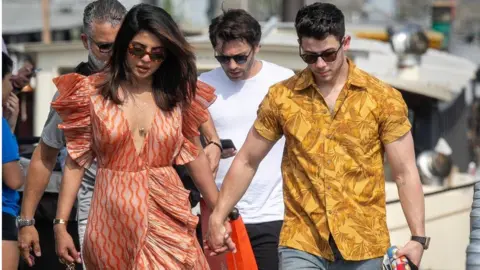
[59,221]
[24,222]
[425,241]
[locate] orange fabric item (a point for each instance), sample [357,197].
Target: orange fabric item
[140,216]
[243,259]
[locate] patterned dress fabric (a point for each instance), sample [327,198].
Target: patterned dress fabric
[140,215]
[332,167]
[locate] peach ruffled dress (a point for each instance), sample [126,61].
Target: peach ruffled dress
[140,215]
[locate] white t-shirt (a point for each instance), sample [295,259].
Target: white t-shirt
[233,114]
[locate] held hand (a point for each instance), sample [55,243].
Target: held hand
[28,239]
[229,241]
[65,248]
[413,251]
[218,237]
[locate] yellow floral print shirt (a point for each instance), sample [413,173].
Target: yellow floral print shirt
[333,162]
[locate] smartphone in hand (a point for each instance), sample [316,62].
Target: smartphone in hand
[227,144]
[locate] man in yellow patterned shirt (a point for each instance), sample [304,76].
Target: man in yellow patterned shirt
[338,122]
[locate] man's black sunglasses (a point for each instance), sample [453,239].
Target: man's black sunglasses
[239,58]
[311,58]
[102,47]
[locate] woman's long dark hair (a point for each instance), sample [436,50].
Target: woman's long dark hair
[175,80]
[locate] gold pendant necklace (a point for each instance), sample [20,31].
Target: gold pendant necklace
[141,130]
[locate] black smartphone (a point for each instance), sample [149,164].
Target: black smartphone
[227,143]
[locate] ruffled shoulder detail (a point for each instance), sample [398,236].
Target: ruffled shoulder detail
[196,113]
[188,153]
[73,107]
[193,115]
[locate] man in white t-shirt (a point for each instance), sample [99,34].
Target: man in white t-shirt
[241,83]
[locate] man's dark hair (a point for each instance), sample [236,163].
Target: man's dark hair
[235,24]
[319,20]
[7,65]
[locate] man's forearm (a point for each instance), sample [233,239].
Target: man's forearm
[412,200]
[233,187]
[38,176]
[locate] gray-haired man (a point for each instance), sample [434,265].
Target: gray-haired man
[101,21]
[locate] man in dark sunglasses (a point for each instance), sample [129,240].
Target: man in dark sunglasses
[338,122]
[236,56]
[98,37]
[241,82]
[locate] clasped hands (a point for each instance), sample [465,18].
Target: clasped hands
[218,239]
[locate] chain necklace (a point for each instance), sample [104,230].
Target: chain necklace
[142,107]
[142,131]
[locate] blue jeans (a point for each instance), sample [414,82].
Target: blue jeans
[473,249]
[293,259]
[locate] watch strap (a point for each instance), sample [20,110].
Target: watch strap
[425,241]
[23,222]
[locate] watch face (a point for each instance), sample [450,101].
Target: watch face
[18,222]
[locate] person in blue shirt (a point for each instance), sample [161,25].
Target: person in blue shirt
[12,175]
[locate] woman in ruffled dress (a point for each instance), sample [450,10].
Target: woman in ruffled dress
[137,118]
